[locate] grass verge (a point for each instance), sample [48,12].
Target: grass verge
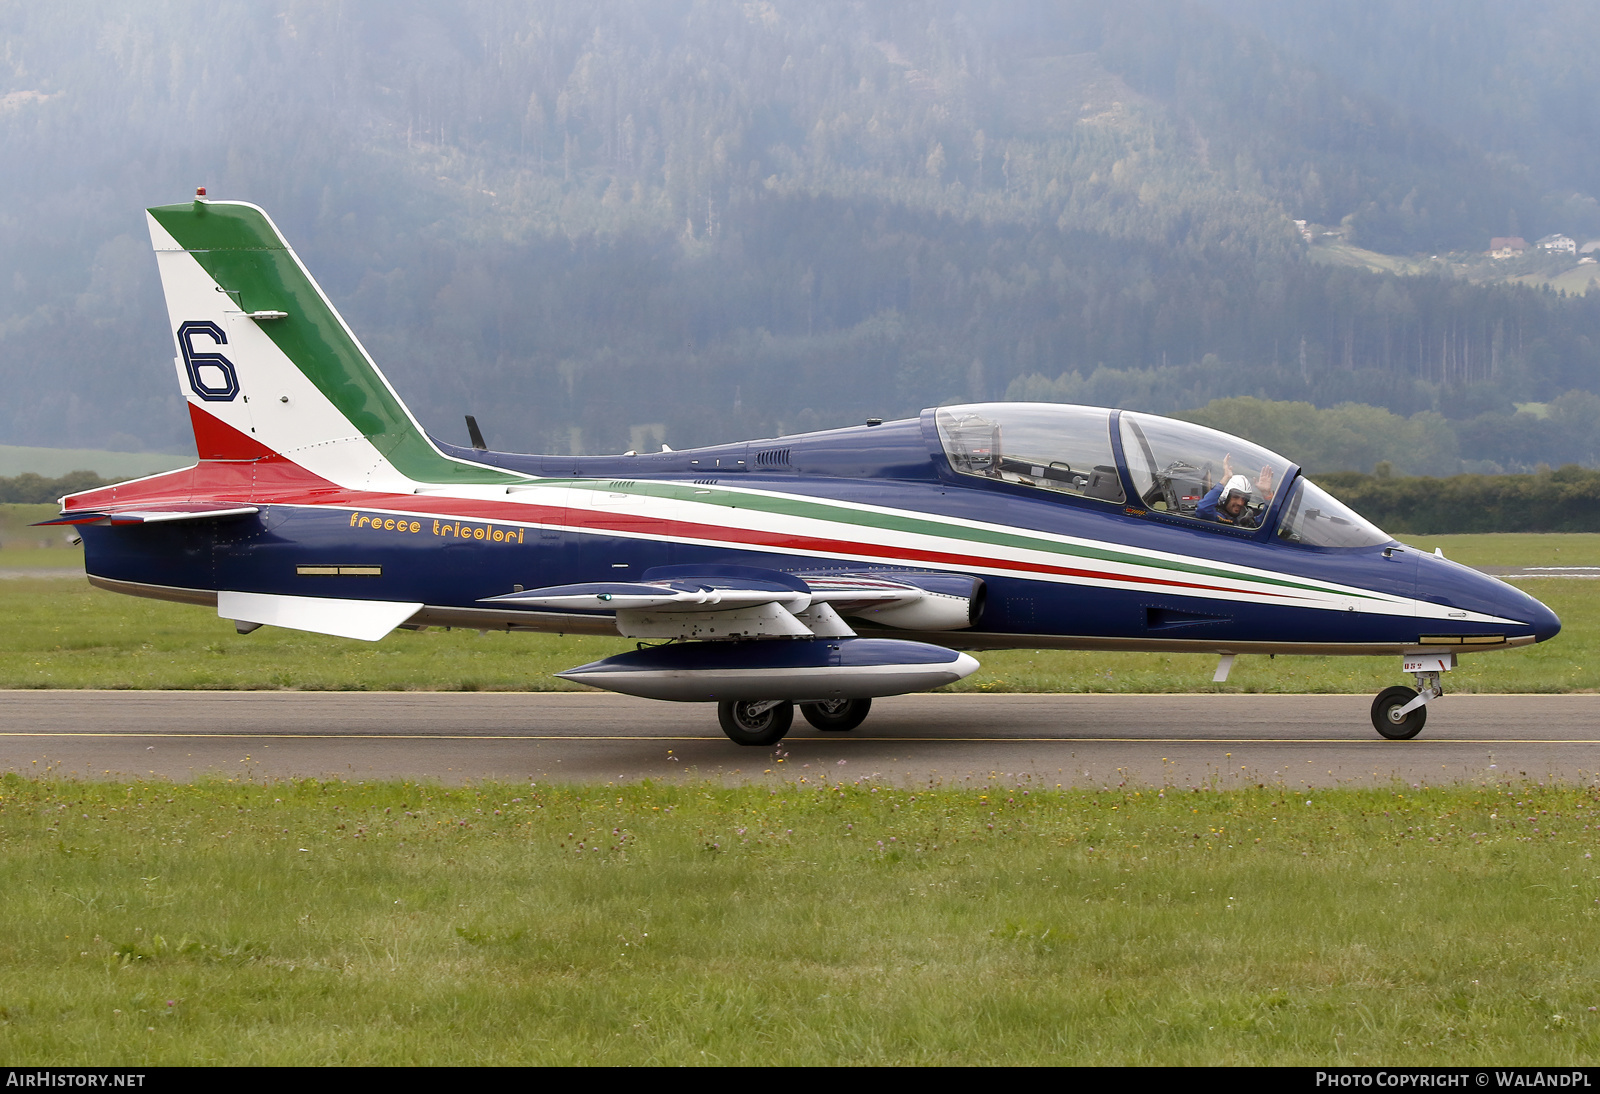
[817,922]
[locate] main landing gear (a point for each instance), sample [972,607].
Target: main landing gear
[837,715]
[755,721]
[1399,713]
[766,721]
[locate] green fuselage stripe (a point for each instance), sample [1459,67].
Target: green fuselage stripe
[808,509]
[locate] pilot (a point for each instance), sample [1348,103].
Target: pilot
[1227,502]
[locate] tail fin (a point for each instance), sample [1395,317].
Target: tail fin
[270,368]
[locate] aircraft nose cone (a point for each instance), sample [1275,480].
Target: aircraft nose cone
[1546,625]
[1513,603]
[1443,582]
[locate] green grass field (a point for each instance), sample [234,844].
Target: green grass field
[62,633]
[1574,279]
[52,462]
[816,922]
[1515,548]
[24,547]
[1336,252]
[1577,281]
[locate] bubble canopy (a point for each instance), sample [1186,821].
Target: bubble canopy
[1176,468]
[1315,518]
[1176,465]
[1066,449]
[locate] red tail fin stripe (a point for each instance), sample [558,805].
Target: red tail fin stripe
[217,440]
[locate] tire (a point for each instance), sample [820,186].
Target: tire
[837,715]
[746,728]
[1390,700]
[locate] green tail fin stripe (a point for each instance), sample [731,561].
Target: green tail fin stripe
[242,251]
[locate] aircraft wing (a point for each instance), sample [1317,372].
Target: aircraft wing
[733,601]
[717,592]
[917,601]
[850,591]
[155,514]
[677,596]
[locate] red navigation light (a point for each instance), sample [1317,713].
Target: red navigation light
[199,191]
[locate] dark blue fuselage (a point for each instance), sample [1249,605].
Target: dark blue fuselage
[897,466]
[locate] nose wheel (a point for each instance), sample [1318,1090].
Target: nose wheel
[1399,713]
[1391,716]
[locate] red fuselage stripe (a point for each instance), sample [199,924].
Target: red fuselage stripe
[655,527]
[218,483]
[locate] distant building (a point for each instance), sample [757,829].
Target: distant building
[1305,233]
[1507,246]
[1559,244]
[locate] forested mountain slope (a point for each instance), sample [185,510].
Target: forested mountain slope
[599,226]
[1517,81]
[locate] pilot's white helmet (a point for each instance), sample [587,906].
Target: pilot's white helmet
[1236,485]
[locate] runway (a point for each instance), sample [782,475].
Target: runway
[1183,740]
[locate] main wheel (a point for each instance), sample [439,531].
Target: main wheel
[755,721]
[837,715]
[1386,716]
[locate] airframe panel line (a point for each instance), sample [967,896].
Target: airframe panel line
[793,740]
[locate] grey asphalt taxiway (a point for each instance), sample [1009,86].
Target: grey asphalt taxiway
[1224,740]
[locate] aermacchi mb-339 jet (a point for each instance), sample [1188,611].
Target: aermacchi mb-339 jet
[820,570]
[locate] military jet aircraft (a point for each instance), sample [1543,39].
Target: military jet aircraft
[820,570]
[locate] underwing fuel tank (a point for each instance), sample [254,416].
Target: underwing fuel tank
[801,670]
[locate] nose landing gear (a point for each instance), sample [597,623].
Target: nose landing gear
[1399,713]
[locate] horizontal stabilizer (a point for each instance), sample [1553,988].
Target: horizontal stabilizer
[368,620]
[158,514]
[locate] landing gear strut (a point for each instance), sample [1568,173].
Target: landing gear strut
[837,715]
[755,721]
